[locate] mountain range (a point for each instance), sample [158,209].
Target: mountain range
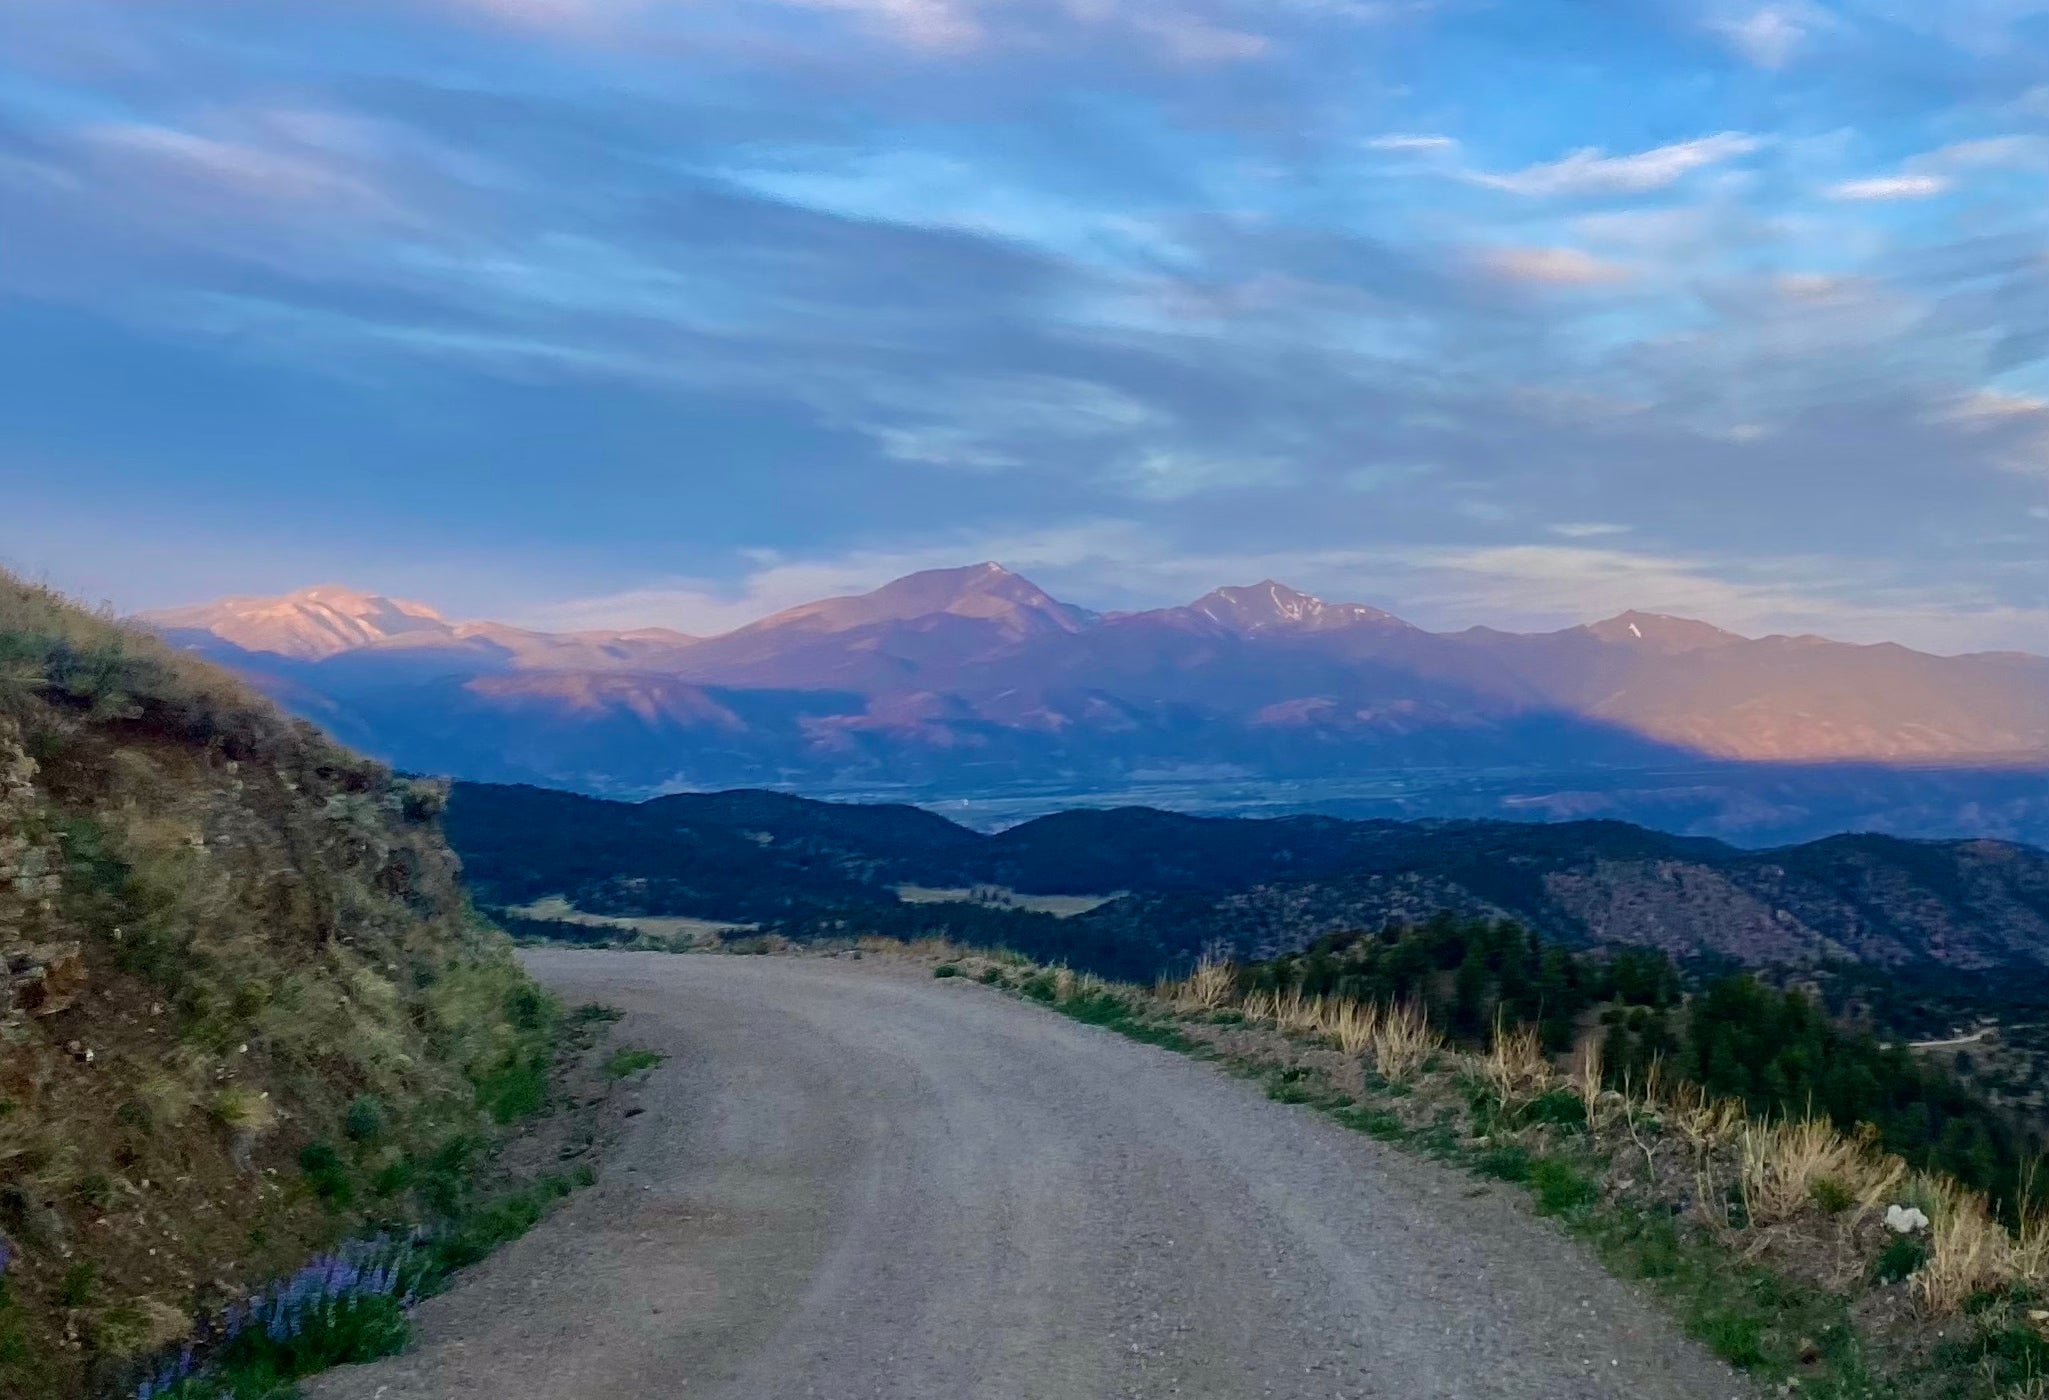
[974,681]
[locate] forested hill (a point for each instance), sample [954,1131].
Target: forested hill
[1260,885]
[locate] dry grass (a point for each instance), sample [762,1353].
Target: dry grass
[1402,1041]
[1588,1069]
[1968,1250]
[1210,987]
[1351,1026]
[1299,1015]
[1515,1066]
[2031,1242]
[1787,1168]
[1705,1122]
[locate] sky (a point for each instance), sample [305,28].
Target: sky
[635,312]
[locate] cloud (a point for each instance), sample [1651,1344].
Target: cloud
[1934,173]
[1198,42]
[265,169]
[1553,267]
[1889,187]
[923,24]
[1589,529]
[1590,170]
[1984,406]
[1420,143]
[1768,37]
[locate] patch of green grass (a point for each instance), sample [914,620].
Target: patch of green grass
[593,1013]
[1112,1012]
[327,1174]
[1749,1316]
[629,1060]
[2004,1350]
[1374,1122]
[1559,1107]
[484,1228]
[1297,1085]
[1832,1196]
[80,1286]
[517,1088]
[947,970]
[1561,1187]
[254,1367]
[1506,1161]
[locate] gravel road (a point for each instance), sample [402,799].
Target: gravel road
[853,1180]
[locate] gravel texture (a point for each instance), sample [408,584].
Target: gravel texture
[854,1180]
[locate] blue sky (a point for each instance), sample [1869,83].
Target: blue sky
[591,312]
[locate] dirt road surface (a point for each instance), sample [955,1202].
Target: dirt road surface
[853,1181]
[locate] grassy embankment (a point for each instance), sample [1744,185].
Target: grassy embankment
[246,1015]
[1766,1238]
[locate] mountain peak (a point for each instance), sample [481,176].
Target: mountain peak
[308,624]
[986,591]
[1661,632]
[1271,606]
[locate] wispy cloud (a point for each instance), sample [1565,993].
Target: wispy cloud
[1771,35]
[1591,170]
[1889,187]
[1553,267]
[1418,143]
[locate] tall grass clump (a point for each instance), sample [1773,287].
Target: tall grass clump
[1793,1166]
[1211,986]
[1515,1066]
[1402,1041]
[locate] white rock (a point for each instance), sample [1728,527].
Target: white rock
[1905,1220]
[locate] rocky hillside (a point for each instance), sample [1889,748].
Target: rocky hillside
[245,1007]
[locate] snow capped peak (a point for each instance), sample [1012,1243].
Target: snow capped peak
[308,624]
[1660,632]
[1272,606]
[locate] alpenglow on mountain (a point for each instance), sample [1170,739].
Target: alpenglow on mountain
[974,681]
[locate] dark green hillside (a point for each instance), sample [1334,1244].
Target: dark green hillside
[1261,886]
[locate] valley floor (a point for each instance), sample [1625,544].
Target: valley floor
[855,1180]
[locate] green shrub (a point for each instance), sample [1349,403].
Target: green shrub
[364,1121]
[946,970]
[1832,1196]
[1902,1255]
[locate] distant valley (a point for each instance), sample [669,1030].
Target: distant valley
[1166,885]
[975,688]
